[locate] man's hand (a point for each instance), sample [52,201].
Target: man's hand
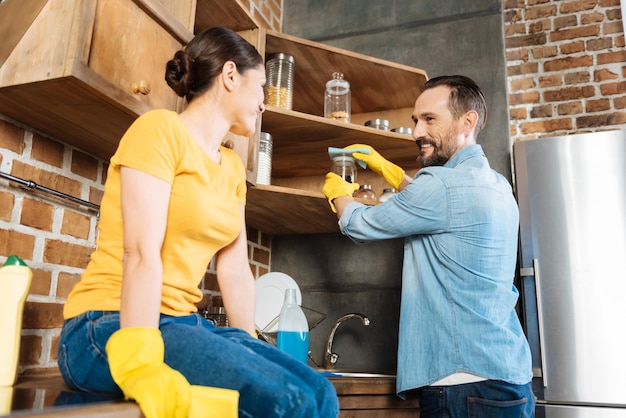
[335,186]
[378,164]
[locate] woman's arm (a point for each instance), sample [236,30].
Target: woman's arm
[144,201]
[236,281]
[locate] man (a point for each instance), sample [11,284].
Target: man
[460,339]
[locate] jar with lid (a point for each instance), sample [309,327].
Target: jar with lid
[264,170]
[337,98]
[345,167]
[387,194]
[279,71]
[365,192]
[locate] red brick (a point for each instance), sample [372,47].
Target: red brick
[549,125]
[607,119]
[7,202]
[594,17]
[30,350]
[526,68]
[540,112]
[604,75]
[518,113]
[613,88]
[612,27]
[512,16]
[577,6]
[579,77]
[575,33]
[526,40]
[597,105]
[47,151]
[550,80]
[11,137]
[543,25]
[524,98]
[41,282]
[612,57]
[570,93]
[570,108]
[568,63]
[548,51]
[37,214]
[565,21]
[619,102]
[75,224]
[42,315]
[522,84]
[65,283]
[520,54]
[515,29]
[538,12]
[599,44]
[66,254]
[18,243]
[84,165]
[572,47]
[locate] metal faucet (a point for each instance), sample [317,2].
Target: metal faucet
[331,358]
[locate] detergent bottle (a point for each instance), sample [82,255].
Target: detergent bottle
[293,328]
[15,279]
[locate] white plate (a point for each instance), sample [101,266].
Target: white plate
[270,295]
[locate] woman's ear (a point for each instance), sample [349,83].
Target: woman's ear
[229,75]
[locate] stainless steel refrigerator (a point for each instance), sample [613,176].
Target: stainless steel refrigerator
[571,192]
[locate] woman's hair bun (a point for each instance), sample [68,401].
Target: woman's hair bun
[178,74]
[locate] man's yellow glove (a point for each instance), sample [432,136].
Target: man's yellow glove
[335,186]
[378,164]
[136,361]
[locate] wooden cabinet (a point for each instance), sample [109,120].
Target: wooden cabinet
[84,70]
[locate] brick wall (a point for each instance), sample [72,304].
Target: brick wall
[566,65]
[55,238]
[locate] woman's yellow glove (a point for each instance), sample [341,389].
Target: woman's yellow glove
[392,173]
[136,361]
[335,186]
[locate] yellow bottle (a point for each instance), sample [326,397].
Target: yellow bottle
[15,279]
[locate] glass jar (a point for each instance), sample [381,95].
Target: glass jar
[387,194]
[337,99]
[264,170]
[365,192]
[345,167]
[279,86]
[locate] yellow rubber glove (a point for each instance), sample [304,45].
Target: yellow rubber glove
[378,164]
[136,361]
[208,402]
[335,186]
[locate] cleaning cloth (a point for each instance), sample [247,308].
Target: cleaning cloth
[333,152]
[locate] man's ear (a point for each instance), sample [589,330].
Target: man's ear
[229,75]
[469,121]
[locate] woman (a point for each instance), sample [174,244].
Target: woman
[174,198]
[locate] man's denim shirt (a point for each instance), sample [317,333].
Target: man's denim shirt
[460,224]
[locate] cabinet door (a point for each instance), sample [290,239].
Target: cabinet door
[80,71]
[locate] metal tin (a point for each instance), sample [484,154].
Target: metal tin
[382,124]
[403,130]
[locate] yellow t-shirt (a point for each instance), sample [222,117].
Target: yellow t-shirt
[203,215]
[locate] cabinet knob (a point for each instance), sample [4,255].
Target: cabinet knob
[142,87]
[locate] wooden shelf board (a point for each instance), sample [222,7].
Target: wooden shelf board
[302,142]
[375,84]
[231,14]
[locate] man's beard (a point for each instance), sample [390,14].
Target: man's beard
[440,156]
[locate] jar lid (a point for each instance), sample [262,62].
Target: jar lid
[281,56]
[344,158]
[366,186]
[403,130]
[266,136]
[378,123]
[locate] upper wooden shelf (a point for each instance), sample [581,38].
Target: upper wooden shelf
[375,84]
[231,14]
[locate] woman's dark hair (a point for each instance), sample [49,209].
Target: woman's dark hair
[192,70]
[465,95]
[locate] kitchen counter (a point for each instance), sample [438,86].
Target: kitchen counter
[48,396]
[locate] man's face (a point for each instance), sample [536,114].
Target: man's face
[438,134]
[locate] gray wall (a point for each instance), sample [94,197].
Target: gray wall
[441,37]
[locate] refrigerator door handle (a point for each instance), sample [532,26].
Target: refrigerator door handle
[542,348]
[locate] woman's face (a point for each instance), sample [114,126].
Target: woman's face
[249,101]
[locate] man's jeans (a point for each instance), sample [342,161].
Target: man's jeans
[486,399]
[270,382]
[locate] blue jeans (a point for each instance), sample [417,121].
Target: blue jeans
[270,382]
[486,399]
